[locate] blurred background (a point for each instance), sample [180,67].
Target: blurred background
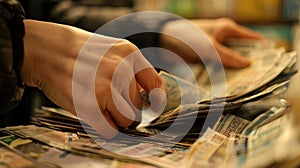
[278,20]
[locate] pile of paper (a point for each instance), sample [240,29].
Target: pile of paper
[241,127]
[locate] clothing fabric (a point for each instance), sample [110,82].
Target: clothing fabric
[85,14]
[90,15]
[11,54]
[116,19]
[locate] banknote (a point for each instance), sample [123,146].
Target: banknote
[259,146]
[204,148]
[45,135]
[29,148]
[246,46]
[247,79]
[99,152]
[180,91]
[9,157]
[264,118]
[266,66]
[232,123]
[65,159]
[280,65]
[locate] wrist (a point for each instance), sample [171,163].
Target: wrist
[48,46]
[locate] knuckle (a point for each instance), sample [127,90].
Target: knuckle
[227,22]
[104,88]
[158,82]
[125,47]
[107,67]
[125,123]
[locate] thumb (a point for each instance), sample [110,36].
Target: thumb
[151,82]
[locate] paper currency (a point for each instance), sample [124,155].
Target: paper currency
[266,66]
[246,46]
[232,123]
[245,124]
[204,148]
[180,91]
[14,159]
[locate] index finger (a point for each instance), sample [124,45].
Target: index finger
[244,32]
[150,81]
[231,58]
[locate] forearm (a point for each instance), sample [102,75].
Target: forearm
[50,52]
[184,39]
[46,46]
[207,36]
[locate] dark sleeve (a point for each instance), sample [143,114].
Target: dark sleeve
[115,18]
[89,14]
[11,54]
[142,29]
[92,15]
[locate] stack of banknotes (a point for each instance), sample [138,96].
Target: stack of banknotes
[234,122]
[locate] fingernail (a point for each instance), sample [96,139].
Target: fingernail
[244,61]
[157,98]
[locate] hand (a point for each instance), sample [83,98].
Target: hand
[217,30]
[55,53]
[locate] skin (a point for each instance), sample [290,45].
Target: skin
[218,31]
[51,51]
[49,62]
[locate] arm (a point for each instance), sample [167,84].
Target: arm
[51,52]
[217,30]
[151,29]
